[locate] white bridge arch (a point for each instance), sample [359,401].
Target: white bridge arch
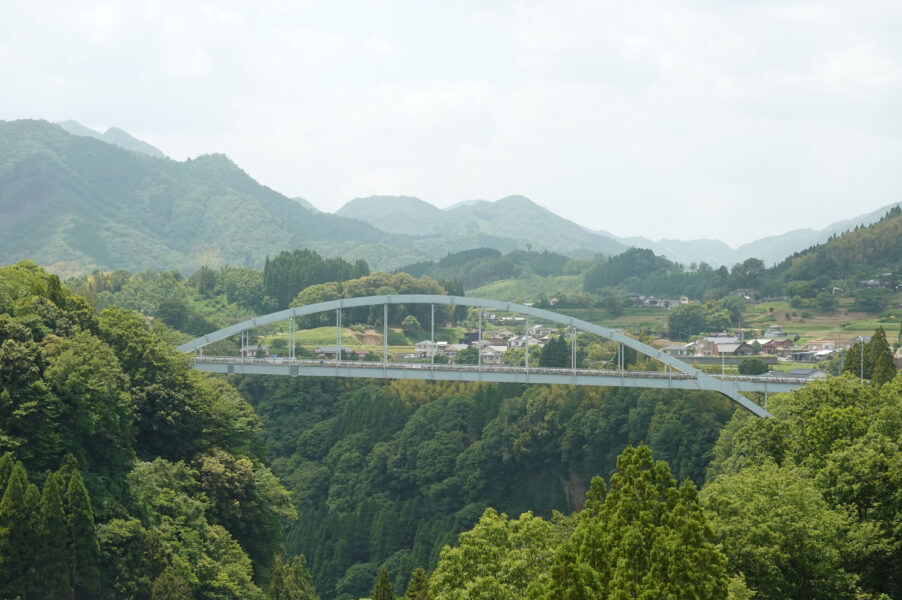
[690,378]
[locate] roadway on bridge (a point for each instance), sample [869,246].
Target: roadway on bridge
[484,373]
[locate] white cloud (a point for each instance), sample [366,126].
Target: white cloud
[677,119]
[380,46]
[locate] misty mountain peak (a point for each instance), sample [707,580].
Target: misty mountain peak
[113,135]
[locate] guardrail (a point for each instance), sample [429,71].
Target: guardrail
[331,364]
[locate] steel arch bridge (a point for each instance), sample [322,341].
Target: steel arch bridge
[686,377]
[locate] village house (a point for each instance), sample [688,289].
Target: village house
[817,345]
[653,302]
[541,331]
[674,349]
[744,293]
[428,348]
[708,346]
[252,351]
[489,316]
[329,352]
[770,346]
[492,355]
[798,374]
[861,339]
[873,284]
[453,350]
[519,341]
[774,331]
[738,349]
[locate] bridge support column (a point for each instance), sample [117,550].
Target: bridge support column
[479,342]
[526,344]
[573,351]
[384,336]
[291,329]
[337,336]
[620,360]
[432,337]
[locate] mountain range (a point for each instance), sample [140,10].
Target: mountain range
[114,136]
[75,200]
[771,249]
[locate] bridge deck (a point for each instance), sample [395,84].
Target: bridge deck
[486,373]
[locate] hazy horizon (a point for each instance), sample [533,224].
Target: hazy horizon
[678,120]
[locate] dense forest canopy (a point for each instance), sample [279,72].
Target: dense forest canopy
[477,267]
[389,473]
[866,253]
[153,472]
[164,482]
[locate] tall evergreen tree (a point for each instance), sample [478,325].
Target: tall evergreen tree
[647,539]
[6,466]
[418,588]
[855,363]
[53,563]
[872,360]
[556,353]
[291,580]
[880,356]
[884,369]
[31,582]
[84,550]
[17,534]
[382,590]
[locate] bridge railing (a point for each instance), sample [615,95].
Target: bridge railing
[378,365]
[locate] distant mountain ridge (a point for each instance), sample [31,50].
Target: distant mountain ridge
[515,218]
[114,136]
[518,218]
[75,204]
[771,249]
[78,202]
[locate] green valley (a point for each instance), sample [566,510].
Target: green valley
[126,474]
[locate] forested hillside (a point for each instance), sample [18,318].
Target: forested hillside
[865,252]
[389,473]
[74,204]
[479,266]
[805,505]
[125,473]
[848,262]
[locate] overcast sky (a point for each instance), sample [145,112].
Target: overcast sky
[726,119]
